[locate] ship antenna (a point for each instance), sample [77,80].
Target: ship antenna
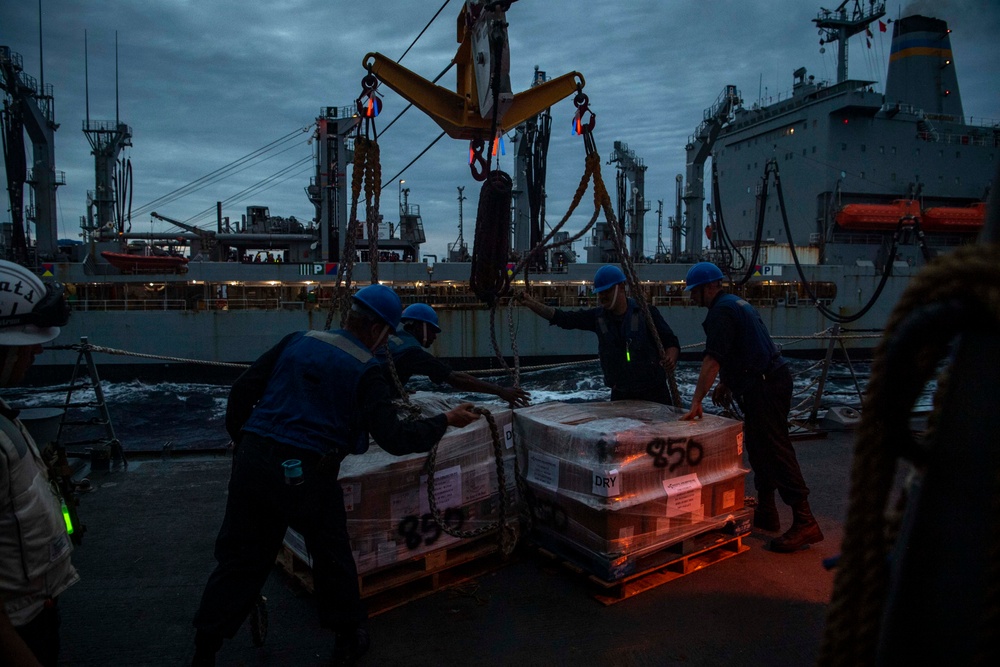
[86,77]
[116,80]
[41,58]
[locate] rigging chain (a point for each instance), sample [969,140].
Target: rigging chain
[367,171]
[507,533]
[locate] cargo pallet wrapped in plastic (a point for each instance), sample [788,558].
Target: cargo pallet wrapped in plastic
[611,483]
[389,516]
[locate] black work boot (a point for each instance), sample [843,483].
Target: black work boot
[804,531]
[765,514]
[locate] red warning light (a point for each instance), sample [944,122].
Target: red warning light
[846,121]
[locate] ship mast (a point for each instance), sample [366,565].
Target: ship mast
[837,26]
[107,140]
[29,108]
[631,170]
[459,251]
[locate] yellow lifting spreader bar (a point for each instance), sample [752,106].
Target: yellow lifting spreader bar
[466,114]
[458,113]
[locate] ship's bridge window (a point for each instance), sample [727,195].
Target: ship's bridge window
[893,150]
[814,150]
[863,147]
[843,147]
[881,150]
[957,180]
[958,155]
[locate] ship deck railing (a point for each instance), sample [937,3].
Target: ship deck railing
[454,301]
[128,304]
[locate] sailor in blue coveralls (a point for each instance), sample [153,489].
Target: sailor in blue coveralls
[739,349]
[408,345]
[313,398]
[629,356]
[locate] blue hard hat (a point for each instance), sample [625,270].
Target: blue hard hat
[608,276]
[381,300]
[421,312]
[702,273]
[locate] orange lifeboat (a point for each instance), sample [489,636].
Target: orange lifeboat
[954,218]
[144,264]
[877,217]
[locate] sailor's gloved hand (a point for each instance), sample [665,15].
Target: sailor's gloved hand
[461,416]
[515,396]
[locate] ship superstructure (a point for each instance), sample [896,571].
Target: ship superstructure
[846,154]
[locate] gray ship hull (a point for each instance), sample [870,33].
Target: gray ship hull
[150,335]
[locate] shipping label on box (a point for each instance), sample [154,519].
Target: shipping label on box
[543,470]
[447,489]
[683,494]
[405,503]
[606,483]
[385,554]
[475,485]
[508,435]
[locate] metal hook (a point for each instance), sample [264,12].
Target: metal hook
[478,163]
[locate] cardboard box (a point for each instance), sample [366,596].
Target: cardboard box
[386,497]
[624,478]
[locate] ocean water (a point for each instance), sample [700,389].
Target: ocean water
[184,416]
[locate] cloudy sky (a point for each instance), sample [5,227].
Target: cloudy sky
[206,83]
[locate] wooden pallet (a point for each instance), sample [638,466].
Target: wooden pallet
[671,563]
[412,579]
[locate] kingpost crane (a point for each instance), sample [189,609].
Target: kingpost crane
[699,147]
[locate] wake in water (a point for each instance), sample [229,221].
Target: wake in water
[151,417]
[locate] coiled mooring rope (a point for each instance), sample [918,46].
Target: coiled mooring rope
[906,358]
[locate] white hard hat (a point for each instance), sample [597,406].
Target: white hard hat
[31,311]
